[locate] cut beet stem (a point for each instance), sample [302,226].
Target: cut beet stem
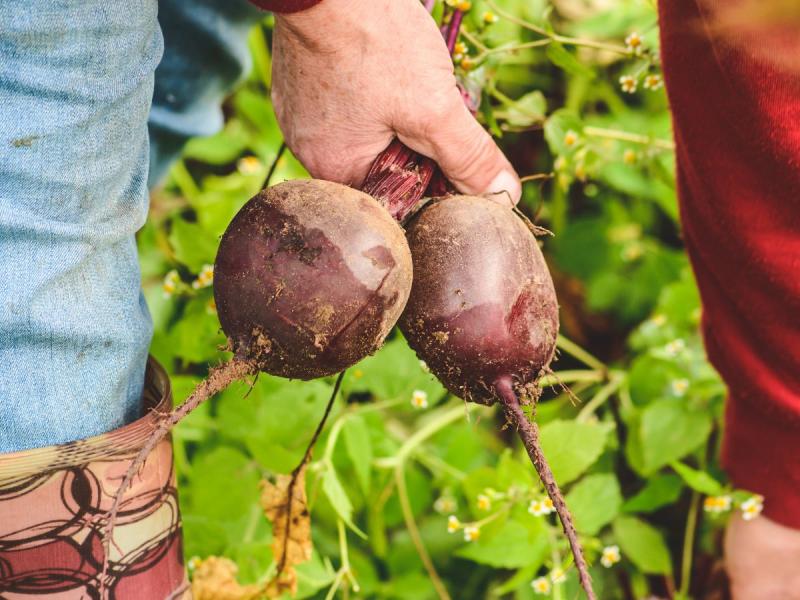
[529,433]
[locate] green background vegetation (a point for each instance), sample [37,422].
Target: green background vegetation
[635,457]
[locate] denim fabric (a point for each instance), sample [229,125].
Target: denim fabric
[205,54]
[76,85]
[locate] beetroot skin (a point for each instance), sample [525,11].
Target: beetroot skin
[482,305]
[310,277]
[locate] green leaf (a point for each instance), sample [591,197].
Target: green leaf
[659,491]
[698,480]
[594,502]
[572,447]
[643,545]
[561,57]
[338,498]
[527,110]
[669,430]
[515,545]
[394,372]
[359,449]
[556,128]
[193,245]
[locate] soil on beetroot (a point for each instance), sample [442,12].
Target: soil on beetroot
[310,277]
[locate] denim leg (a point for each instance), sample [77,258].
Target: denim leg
[76,83]
[205,54]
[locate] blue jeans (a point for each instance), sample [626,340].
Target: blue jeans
[79,80]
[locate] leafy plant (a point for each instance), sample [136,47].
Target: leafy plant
[414,494]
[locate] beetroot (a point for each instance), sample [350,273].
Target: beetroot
[483,315]
[310,277]
[482,304]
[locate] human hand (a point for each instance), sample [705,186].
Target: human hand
[762,558]
[349,75]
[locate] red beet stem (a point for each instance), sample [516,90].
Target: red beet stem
[400,177]
[529,433]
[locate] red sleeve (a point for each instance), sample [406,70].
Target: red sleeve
[736,115]
[285,6]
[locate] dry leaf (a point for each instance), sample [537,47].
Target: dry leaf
[286,506]
[214,578]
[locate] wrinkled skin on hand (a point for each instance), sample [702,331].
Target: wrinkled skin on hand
[349,75]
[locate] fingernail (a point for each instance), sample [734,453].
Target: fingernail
[505,186]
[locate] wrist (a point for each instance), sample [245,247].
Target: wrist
[320,23]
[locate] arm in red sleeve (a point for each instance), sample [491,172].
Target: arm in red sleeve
[736,117]
[285,6]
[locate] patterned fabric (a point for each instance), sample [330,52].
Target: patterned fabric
[52,501]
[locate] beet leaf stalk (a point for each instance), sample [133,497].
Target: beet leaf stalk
[529,434]
[218,379]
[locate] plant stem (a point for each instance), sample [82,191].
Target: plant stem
[299,469]
[688,544]
[626,136]
[218,379]
[582,355]
[411,525]
[274,165]
[529,433]
[603,394]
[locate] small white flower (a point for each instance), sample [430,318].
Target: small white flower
[570,138]
[541,507]
[752,507]
[171,281]
[558,575]
[634,43]
[541,586]
[628,84]
[679,387]
[489,17]
[419,399]
[717,504]
[248,165]
[674,348]
[610,556]
[484,502]
[658,320]
[653,82]
[445,504]
[471,533]
[453,524]
[205,278]
[424,366]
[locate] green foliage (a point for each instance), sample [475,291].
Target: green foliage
[387,476]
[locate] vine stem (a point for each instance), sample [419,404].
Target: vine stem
[688,545]
[411,525]
[582,355]
[218,379]
[627,136]
[299,468]
[529,433]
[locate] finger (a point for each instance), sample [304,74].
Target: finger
[465,152]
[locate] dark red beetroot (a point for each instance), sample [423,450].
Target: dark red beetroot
[310,277]
[483,315]
[482,304]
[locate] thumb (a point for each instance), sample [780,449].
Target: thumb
[464,151]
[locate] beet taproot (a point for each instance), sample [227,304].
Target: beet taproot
[310,277]
[482,303]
